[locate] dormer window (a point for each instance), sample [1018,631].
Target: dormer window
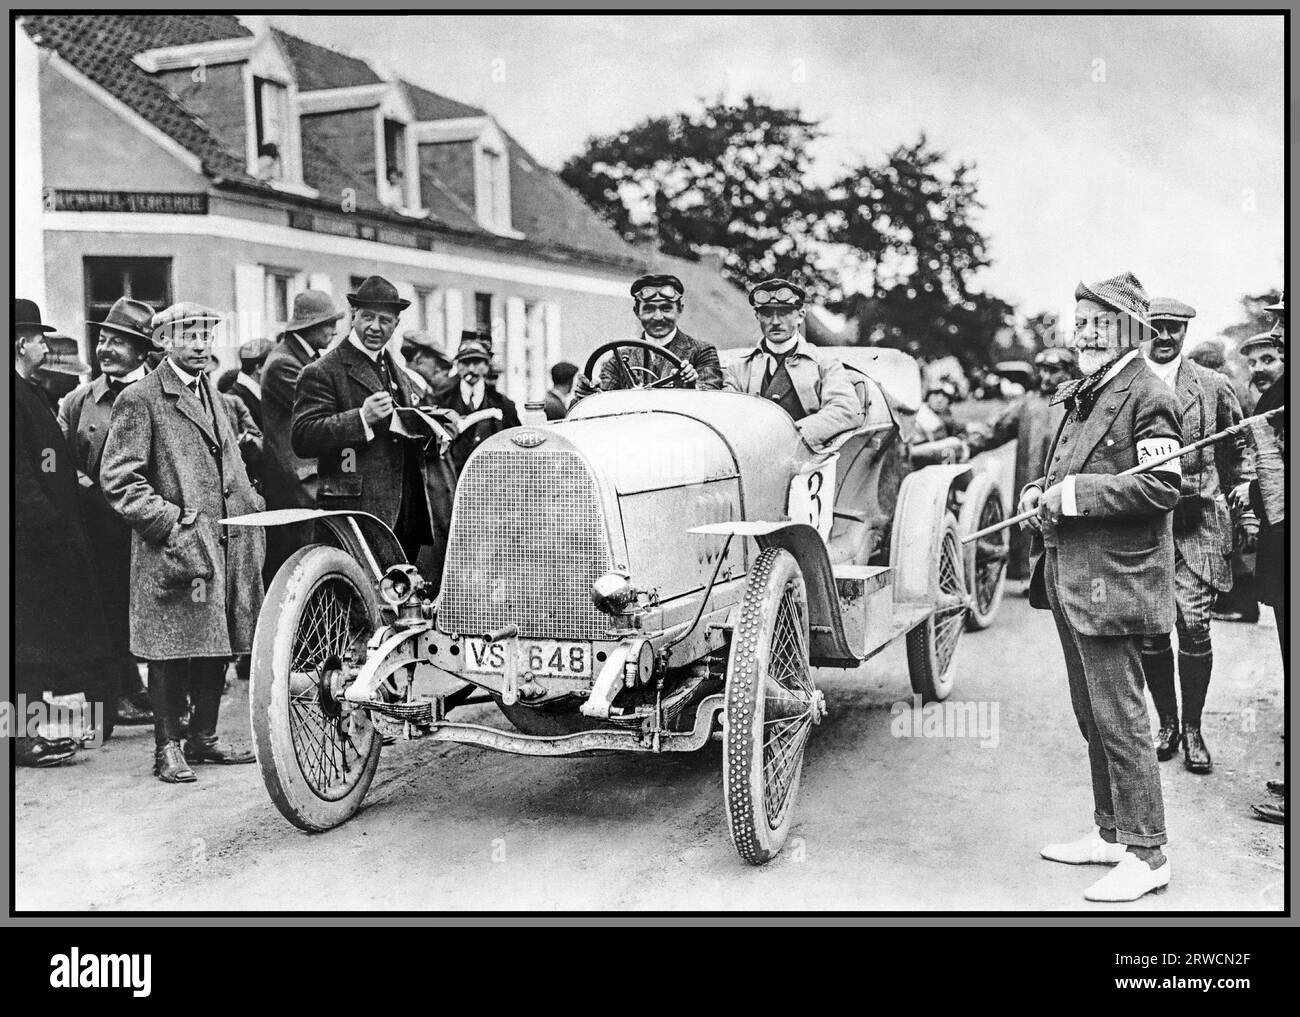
[393,188]
[470,155]
[270,126]
[493,190]
[247,95]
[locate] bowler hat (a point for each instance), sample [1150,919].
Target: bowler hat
[1123,293]
[312,307]
[131,318]
[28,316]
[777,292]
[377,291]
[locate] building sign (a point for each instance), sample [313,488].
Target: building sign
[158,202]
[354,230]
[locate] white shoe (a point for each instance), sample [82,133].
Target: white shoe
[1129,880]
[1088,850]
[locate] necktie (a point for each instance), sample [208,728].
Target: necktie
[115,387]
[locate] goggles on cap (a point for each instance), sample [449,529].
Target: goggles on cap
[657,292]
[780,295]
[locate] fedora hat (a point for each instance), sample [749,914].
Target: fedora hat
[377,291]
[312,307]
[131,318]
[417,341]
[28,316]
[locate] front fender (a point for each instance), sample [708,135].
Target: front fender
[827,644]
[367,538]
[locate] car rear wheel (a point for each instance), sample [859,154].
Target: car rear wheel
[770,707]
[986,558]
[932,645]
[317,755]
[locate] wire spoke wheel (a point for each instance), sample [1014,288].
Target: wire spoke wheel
[932,645]
[316,753]
[770,708]
[986,558]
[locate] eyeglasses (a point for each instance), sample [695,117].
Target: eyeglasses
[781,295]
[651,292]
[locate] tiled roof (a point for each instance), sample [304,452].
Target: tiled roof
[432,106]
[317,67]
[100,46]
[552,217]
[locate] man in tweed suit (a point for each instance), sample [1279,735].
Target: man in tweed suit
[1106,573]
[1202,533]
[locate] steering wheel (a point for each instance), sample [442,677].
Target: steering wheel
[643,376]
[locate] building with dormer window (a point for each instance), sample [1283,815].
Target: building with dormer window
[178,157]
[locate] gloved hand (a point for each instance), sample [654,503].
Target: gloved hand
[584,386]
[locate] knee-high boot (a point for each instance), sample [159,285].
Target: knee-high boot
[1194,666]
[1158,666]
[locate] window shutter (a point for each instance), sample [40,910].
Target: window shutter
[250,302]
[454,308]
[515,367]
[551,326]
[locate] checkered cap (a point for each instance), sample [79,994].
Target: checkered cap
[1123,293]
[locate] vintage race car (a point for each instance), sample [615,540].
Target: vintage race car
[661,569]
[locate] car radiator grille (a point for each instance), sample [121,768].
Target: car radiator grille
[527,541]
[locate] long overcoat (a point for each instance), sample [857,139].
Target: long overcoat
[173,471]
[58,619]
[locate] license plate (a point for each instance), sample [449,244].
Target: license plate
[540,656]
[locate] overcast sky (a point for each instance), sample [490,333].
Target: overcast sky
[1105,143]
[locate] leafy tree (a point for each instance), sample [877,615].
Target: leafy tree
[907,226]
[733,177]
[893,244]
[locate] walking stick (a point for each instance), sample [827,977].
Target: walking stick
[1150,464]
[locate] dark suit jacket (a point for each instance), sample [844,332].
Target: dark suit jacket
[1116,557]
[253,403]
[555,408]
[356,473]
[287,480]
[467,441]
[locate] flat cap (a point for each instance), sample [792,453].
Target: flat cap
[657,286]
[1168,308]
[1260,339]
[1207,354]
[255,349]
[182,313]
[777,292]
[474,349]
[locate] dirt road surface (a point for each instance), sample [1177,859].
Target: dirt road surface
[883,822]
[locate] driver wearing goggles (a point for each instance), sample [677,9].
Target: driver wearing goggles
[809,384]
[657,303]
